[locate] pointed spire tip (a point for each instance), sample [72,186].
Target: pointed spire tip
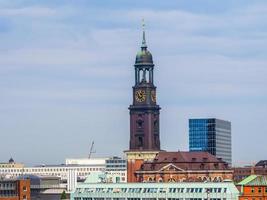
[144,46]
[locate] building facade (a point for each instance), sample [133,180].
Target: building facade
[52,170]
[86,161]
[15,189]
[241,173]
[184,167]
[211,135]
[11,164]
[156,191]
[83,168]
[253,187]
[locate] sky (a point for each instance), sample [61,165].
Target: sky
[66,74]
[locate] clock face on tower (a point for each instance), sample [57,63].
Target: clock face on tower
[140,95]
[153,96]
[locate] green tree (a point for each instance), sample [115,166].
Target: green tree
[63,195]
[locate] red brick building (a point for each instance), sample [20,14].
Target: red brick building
[15,189]
[183,166]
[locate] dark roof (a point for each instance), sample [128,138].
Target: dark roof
[11,160]
[28,176]
[261,163]
[144,57]
[184,160]
[186,156]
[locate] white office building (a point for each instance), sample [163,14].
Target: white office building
[83,167]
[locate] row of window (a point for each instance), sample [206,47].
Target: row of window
[259,190]
[6,193]
[88,198]
[6,185]
[116,166]
[116,161]
[153,190]
[6,165]
[50,169]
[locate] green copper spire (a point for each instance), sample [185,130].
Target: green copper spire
[143,56]
[144,46]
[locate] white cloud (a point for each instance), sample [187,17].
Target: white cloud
[32,11]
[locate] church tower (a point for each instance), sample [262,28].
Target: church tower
[144,112]
[144,115]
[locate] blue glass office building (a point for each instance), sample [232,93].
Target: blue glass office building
[211,135]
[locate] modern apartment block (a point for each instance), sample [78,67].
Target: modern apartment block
[211,135]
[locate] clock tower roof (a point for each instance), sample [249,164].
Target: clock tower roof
[144,57]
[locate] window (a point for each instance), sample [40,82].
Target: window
[140,123]
[24,188]
[172,190]
[252,190]
[140,141]
[162,190]
[259,190]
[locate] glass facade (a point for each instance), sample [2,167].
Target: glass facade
[116,164]
[211,135]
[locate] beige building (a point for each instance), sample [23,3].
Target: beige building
[11,164]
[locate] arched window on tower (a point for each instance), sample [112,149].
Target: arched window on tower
[156,126]
[147,76]
[156,140]
[140,123]
[140,141]
[141,74]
